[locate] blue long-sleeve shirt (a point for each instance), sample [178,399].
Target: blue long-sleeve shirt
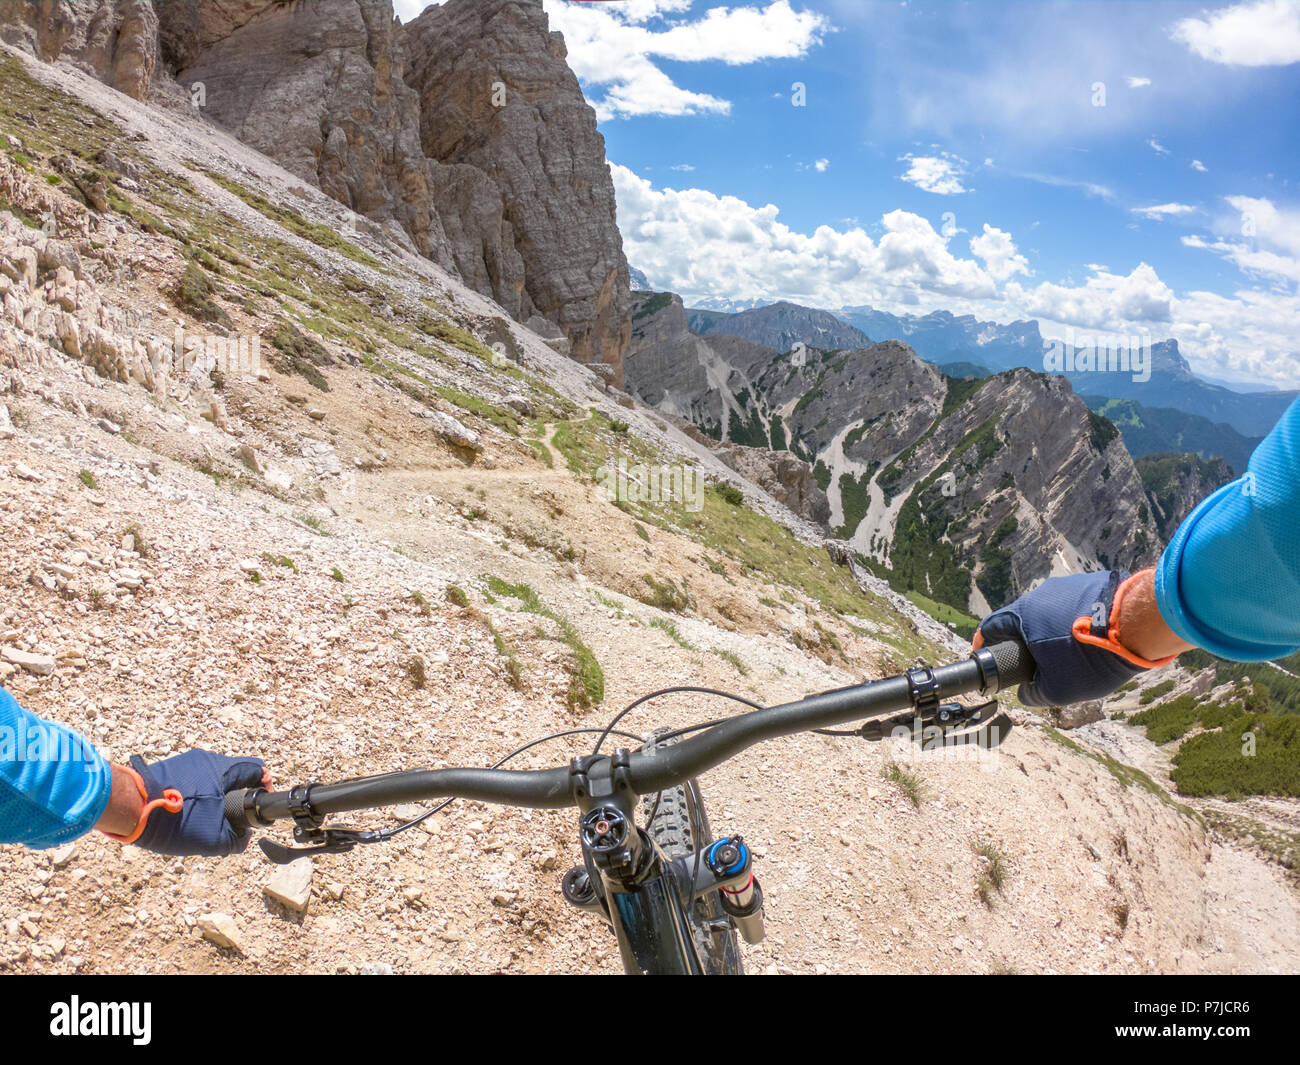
[54,785]
[1229,581]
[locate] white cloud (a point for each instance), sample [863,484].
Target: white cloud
[1164,210]
[1157,147]
[940,174]
[684,167]
[1138,83]
[700,244]
[1089,188]
[610,48]
[998,250]
[821,165]
[1261,34]
[1272,225]
[1198,165]
[1105,301]
[1255,261]
[1259,238]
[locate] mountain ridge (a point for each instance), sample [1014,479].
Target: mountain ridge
[1165,379]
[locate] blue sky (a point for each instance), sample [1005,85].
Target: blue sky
[1128,167]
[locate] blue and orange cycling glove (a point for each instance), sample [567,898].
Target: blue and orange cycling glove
[1071,627]
[184,802]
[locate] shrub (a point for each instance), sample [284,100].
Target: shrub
[193,294]
[729,493]
[415,672]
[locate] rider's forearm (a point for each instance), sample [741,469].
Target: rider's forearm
[1229,581]
[54,785]
[125,804]
[1142,629]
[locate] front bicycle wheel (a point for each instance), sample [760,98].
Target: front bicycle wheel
[676,820]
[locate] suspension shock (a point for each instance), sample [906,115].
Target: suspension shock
[742,897]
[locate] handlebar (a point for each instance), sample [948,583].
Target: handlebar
[987,671]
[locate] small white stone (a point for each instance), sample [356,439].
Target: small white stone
[221,929]
[290,885]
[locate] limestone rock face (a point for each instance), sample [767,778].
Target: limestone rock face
[1176,483]
[116,41]
[496,94]
[317,86]
[784,477]
[465,129]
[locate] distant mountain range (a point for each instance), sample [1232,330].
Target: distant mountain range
[1152,430]
[959,491]
[965,346]
[780,326]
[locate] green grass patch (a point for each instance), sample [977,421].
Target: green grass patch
[909,784]
[963,624]
[193,294]
[665,595]
[993,872]
[1157,691]
[295,223]
[501,417]
[1127,775]
[664,625]
[587,683]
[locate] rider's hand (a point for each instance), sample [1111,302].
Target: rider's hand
[1071,627]
[202,779]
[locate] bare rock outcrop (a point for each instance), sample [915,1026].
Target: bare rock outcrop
[787,479]
[317,86]
[466,128]
[496,94]
[116,41]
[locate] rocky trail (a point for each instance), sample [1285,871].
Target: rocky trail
[345,585]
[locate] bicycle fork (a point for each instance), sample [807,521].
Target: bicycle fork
[627,881]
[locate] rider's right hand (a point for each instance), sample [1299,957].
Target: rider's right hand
[1070,626]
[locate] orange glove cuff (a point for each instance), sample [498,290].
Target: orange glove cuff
[1083,630]
[172,801]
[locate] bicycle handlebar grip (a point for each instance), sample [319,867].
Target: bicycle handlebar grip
[235,812]
[1014,663]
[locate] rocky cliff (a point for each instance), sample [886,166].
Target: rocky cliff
[967,491]
[466,130]
[497,96]
[115,40]
[1176,482]
[786,478]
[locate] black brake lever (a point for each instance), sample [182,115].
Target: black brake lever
[948,716]
[327,840]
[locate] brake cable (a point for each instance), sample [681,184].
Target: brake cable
[334,840]
[672,691]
